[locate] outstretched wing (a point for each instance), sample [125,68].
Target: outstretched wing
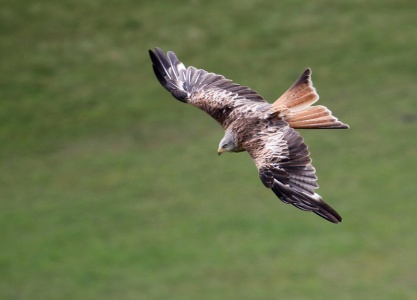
[210,92]
[284,165]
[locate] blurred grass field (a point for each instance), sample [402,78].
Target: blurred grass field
[111,189]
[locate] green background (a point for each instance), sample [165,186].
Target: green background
[112,189]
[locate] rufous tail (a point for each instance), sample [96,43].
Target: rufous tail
[295,107]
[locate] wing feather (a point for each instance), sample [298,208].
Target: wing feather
[210,92]
[284,165]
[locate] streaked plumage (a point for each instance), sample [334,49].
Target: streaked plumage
[262,129]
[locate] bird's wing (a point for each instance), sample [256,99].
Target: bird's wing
[210,92]
[284,165]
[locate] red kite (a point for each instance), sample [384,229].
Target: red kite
[264,130]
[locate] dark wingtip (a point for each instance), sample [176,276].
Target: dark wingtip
[306,202]
[157,64]
[328,213]
[153,57]
[161,66]
[158,69]
[334,217]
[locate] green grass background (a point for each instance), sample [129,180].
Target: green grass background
[111,189]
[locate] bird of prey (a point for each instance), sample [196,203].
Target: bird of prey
[264,130]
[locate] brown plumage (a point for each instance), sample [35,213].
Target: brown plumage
[262,129]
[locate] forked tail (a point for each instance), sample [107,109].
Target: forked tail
[295,107]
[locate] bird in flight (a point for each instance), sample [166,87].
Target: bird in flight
[264,130]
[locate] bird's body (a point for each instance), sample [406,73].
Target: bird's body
[262,129]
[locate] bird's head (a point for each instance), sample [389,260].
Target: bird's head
[228,143]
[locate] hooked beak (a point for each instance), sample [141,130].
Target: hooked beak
[220,151]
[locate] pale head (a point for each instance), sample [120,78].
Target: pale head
[228,143]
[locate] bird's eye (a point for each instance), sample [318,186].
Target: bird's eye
[224,146]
